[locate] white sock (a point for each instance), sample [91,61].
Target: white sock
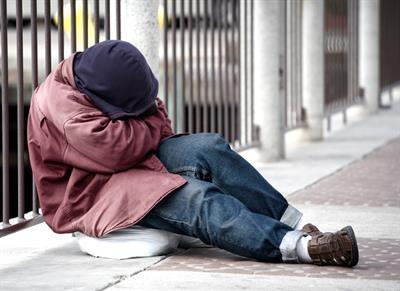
[302,249]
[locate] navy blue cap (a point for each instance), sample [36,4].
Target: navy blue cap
[117,78]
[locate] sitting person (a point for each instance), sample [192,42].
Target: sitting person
[104,157]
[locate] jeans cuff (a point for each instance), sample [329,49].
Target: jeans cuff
[291,216]
[288,246]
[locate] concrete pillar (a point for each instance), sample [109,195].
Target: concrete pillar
[268,99]
[369,52]
[313,67]
[139,27]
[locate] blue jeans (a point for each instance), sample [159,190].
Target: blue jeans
[226,202]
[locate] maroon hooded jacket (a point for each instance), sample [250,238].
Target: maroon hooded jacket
[92,174]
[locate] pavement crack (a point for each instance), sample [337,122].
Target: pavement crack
[125,277]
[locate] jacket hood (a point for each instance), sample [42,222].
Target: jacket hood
[116,77]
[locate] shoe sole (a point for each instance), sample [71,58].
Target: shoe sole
[354,248]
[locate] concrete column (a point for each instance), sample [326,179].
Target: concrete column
[139,27]
[268,99]
[369,52]
[313,67]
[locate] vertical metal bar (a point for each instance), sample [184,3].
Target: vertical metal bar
[213,84]
[336,50]
[252,70]
[190,105]
[4,111]
[298,64]
[183,73]
[226,74]
[60,30]
[286,62]
[301,64]
[226,77]
[166,61]
[34,44]
[107,19]
[296,30]
[288,46]
[73,26]
[220,84]
[118,18]
[47,36]
[97,21]
[342,37]
[245,76]
[232,84]
[20,112]
[292,64]
[326,46]
[239,86]
[300,48]
[325,52]
[291,51]
[347,36]
[340,53]
[85,24]
[205,43]
[35,206]
[198,64]
[336,54]
[328,39]
[174,74]
[356,49]
[343,68]
[349,49]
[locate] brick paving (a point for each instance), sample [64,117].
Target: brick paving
[377,263]
[373,181]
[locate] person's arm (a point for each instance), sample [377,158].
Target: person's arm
[113,145]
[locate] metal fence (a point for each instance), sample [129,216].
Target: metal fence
[206,79]
[33,40]
[208,60]
[292,69]
[341,56]
[389,47]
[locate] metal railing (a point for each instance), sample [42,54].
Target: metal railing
[341,56]
[207,79]
[31,31]
[389,47]
[208,65]
[292,69]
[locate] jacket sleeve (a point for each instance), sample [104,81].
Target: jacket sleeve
[113,145]
[167,129]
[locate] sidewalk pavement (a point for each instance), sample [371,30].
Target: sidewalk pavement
[352,177]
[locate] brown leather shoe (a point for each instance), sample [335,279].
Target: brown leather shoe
[311,229]
[334,249]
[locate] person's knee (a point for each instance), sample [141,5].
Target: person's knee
[209,142]
[217,215]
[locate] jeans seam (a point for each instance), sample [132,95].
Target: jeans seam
[172,219]
[183,169]
[193,169]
